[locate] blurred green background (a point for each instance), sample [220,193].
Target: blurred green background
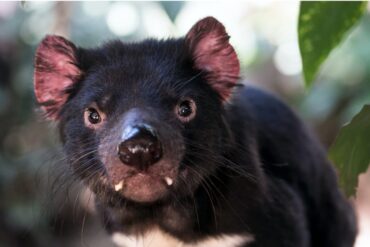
[40,205]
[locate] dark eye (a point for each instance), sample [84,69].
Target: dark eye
[185,110]
[93,116]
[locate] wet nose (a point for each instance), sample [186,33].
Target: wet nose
[140,147]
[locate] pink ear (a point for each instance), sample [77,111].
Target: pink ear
[55,72]
[209,44]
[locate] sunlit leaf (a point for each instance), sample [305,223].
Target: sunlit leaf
[321,27]
[351,150]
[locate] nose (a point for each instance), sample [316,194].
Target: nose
[140,147]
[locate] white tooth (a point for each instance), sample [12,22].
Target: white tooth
[168,180]
[118,186]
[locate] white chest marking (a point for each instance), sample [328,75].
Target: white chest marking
[158,238]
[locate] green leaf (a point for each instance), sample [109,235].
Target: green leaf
[351,150]
[321,27]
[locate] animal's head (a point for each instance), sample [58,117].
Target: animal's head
[140,121]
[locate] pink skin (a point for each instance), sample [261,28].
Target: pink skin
[55,71]
[209,43]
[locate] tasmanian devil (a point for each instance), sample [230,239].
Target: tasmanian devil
[178,153]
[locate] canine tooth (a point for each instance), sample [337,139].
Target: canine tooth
[118,186]
[168,180]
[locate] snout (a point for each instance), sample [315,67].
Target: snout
[140,147]
[142,161]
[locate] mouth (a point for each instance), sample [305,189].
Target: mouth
[140,186]
[119,186]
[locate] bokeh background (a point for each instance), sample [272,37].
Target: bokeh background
[41,206]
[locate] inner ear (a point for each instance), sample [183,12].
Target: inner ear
[56,71]
[208,43]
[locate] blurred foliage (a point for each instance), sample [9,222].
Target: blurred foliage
[351,152]
[172,8]
[321,27]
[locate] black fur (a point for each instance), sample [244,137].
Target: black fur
[254,167]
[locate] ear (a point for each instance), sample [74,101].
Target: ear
[212,53]
[55,72]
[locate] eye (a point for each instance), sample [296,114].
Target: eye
[93,116]
[186,109]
